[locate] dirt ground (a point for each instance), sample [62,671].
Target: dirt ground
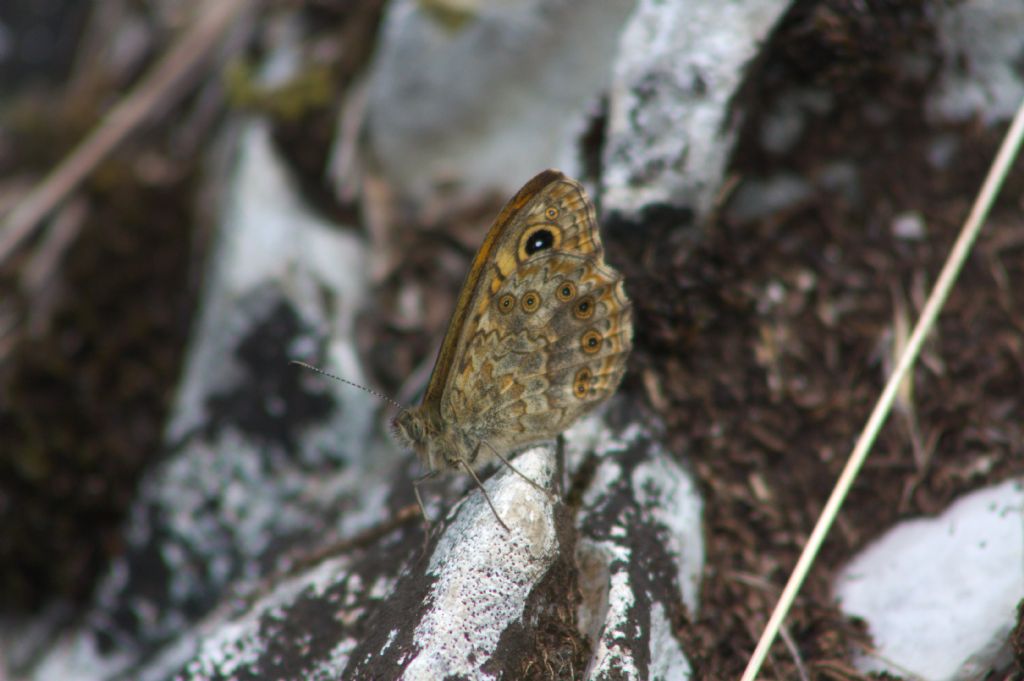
[761,344]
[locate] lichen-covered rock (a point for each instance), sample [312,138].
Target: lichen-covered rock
[640,554]
[259,455]
[481,602]
[670,123]
[388,610]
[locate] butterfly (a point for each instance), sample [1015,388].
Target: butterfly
[539,336]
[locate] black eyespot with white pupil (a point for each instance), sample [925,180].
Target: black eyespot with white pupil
[538,241]
[506,303]
[531,301]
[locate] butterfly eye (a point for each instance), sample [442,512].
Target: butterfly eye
[581,383]
[506,303]
[566,292]
[531,301]
[584,309]
[552,213]
[591,342]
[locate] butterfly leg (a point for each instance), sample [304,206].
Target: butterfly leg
[419,499]
[472,473]
[519,472]
[561,474]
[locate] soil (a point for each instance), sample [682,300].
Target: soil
[762,345]
[767,356]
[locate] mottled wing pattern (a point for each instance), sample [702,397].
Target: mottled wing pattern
[478,280]
[550,326]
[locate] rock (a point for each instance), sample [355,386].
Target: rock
[640,556]
[485,603]
[670,127]
[485,105]
[981,75]
[259,455]
[939,595]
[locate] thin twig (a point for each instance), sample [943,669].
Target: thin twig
[936,299]
[164,85]
[794,652]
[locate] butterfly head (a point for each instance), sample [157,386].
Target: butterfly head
[438,443]
[415,429]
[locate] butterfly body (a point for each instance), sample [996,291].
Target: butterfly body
[540,334]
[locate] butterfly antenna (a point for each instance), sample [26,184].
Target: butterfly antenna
[328,374]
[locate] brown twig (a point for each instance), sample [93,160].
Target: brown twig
[163,86]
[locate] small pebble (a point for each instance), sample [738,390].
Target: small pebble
[909,226]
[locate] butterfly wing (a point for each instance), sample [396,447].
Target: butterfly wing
[529,377]
[523,216]
[543,326]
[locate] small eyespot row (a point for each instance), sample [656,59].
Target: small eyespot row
[551,213]
[581,383]
[506,303]
[584,309]
[591,341]
[566,291]
[530,302]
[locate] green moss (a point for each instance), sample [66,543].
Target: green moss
[309,91]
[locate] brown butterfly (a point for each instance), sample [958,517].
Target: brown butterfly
[539,336]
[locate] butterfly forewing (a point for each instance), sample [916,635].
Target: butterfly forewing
[551,326]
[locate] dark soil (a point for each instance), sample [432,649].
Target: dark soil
[765,345]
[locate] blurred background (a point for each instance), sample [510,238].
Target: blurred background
[779,181]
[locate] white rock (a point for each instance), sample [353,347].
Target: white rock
[670,495]
[242,473]
[939,595]
[909,225]
[491,102]
[783,124]
[983,43]
[483,574]
[758,198]
[678,66]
